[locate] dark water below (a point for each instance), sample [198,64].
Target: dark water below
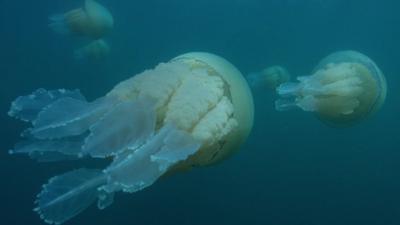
[293,170]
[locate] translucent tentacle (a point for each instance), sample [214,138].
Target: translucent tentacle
[141,168]
[178,146]
[289,89]
[28,107]
[58,23]
[69,194]
[68,117]
[61,120]
[70,127]
[75,16]
[285,104]
[105,199]
[129,124]
[51,150]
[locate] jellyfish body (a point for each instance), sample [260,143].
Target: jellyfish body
[344,88]
[94,50]
[92,21]
[269,78]
[195,110]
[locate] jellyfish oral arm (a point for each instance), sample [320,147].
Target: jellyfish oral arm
[141,168]
[289,89]
[69,194]
[65,196]
[107,127]
[335,86]
[292,96]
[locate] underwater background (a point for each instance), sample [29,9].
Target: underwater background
[293,170]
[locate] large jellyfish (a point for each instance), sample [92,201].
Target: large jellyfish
[195,110]
[344,88]
[270,78]
[92,20]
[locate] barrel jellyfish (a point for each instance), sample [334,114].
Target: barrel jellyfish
[344,88]
[92,20]
[192,111]
[269,78]
[96,49]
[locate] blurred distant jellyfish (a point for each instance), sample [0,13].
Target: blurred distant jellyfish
[92,20]
[193,111]
[270,78]
[94,50]
[344,88]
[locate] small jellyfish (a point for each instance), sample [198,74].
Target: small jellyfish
[94,50]
[192,111]
[270,78]
[92,21]
[344,88]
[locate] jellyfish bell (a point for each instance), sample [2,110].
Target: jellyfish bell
[344,88]
[93,21]
[96,49]
[100,18]
[194,110]
[269,78]
[237,102]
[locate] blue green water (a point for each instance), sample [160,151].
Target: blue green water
[293,170]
